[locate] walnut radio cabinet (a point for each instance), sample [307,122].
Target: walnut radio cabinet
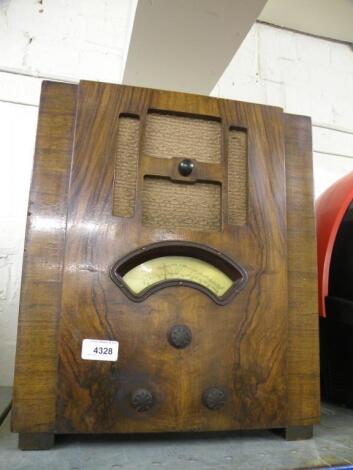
[169,278]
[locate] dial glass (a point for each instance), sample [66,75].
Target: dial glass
[181,268]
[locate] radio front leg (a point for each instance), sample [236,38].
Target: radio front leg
[298,433]
[35,440]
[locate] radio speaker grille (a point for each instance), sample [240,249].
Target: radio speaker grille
[171,136]
[173,205]
[127,151]
[237,177]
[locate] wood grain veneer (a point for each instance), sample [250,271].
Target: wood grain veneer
[260,348]
[303,344]
[34,400]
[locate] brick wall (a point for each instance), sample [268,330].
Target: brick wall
[303,75]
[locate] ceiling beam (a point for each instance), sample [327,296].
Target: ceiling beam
[185,45]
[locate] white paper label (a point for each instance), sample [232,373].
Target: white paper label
[99,350]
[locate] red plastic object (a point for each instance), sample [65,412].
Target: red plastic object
[330,209]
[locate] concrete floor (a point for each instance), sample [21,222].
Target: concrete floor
[259,450]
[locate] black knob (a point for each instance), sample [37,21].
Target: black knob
[185,167]
[214,398]
[179,336]
[142,399]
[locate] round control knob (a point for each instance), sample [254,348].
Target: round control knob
[141,399]
[214,398]
[185,167]
[179,336]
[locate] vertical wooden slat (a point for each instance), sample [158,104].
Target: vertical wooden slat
[303,352]
[36,356]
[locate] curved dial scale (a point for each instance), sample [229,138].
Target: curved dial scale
[178,263]
[183,268]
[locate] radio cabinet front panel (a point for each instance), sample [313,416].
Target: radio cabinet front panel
[175,247]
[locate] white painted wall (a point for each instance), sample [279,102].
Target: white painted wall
[303,75]
[89,39]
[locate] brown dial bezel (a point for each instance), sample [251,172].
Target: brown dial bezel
[179,248]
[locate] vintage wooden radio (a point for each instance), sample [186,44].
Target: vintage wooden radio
[169,279]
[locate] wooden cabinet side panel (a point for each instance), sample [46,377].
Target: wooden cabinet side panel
[303,352]
[36,356]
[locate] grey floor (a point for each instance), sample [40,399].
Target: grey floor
[332,445]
